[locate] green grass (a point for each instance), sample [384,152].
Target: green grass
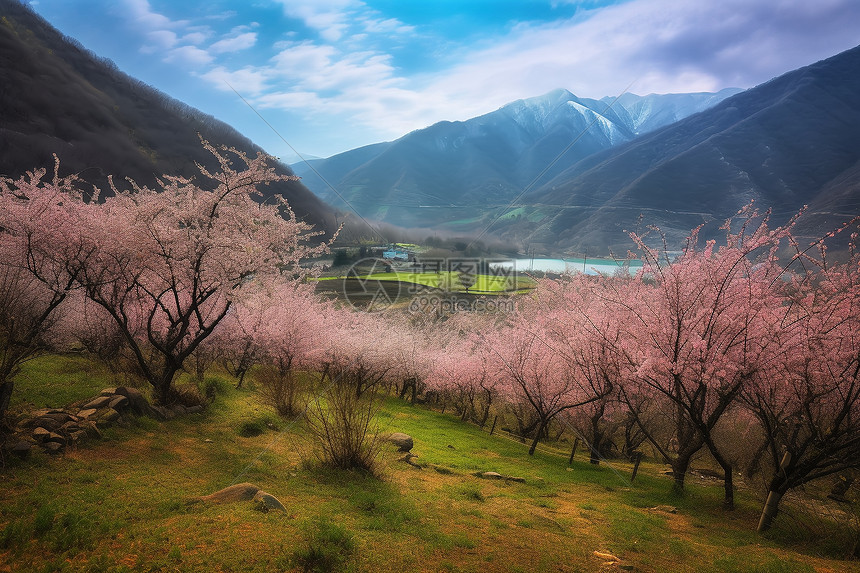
[121,504]
[52,381]
[451,282]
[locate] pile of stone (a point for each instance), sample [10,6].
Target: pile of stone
[55,429]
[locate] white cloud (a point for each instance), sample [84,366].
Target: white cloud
[330,18]
[335,19]
[297,60]
[386,26]
[344,76]
[195,38]
[247,81]
[158,41]
[293,101]
[190,55]
[142,13]
[659,45]
[235,44]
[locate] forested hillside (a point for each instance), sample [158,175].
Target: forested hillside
[58,98]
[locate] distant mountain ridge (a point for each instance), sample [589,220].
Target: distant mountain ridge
[452,174]
[789,142]
[57,97]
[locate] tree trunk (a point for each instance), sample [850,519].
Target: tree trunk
[163,385]
[637,459]
[538,434]
[771,507]
[5,397]
[573,451]
[729,500]
[199,367]
[680,465]
[485,414]
[777,489]
[728,481]
[595,447]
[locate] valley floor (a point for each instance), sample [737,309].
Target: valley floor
[121,504]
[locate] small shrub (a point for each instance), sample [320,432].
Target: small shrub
[279,389]
[74,532]
[342,424]
[252,428]
[384,511]
[471,492]
[186,395]
[327,547]
[213,386]
[44,520]
[15,534]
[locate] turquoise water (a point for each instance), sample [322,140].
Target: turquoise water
[587,266]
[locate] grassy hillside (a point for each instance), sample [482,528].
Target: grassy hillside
[120,504]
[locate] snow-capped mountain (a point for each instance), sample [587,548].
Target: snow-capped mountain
[790,142]
[453,173]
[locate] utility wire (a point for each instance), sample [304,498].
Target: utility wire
[375,231]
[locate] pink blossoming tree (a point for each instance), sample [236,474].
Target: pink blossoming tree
[167,264]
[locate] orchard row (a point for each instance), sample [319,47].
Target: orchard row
[749,350]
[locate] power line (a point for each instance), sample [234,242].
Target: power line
[375,231]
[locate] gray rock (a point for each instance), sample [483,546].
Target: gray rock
[91,430]
[266,502]
[497,475]
[108,392]
[407,457]
[77,435]
[194,409]
[22,449]
[42,411]
[162,413]
[106,416]
[69,427]
[239,492]
[97,403]
[87,414]
[54,437]
[53,447]
[41,434]
[118,403]
[442,469]
[137,402]
[51,421]
[402,441]
[606,556]
[60,416]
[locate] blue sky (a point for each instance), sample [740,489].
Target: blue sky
[332,75]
